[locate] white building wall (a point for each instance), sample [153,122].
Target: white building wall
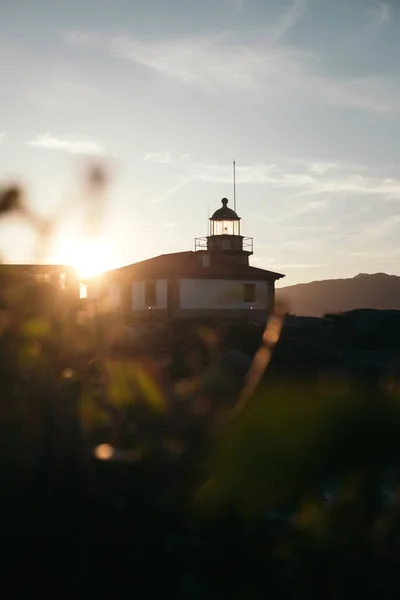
[138,295]
[221,293]
[114,295]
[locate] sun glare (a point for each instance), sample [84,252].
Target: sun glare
[87,256]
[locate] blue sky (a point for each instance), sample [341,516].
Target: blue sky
[304,95]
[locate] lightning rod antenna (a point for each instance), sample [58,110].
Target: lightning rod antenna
[234,186]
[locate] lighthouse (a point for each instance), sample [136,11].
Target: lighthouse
[224,239]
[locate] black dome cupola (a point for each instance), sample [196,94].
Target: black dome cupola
[224,236]
[225,221]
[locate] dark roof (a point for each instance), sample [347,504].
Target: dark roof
[189,265]
[225,213]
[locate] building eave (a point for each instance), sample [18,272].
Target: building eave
[184,265]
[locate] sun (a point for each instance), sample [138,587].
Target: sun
[86,256]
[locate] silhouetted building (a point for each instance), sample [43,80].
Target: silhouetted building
[216,280]
[61,276]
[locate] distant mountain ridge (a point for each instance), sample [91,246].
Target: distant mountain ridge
[378,290]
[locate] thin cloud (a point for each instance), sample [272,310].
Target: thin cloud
[303,244]
[376,254]
[163,158]
[303,209]
[262,217]
[218,64]
[288,19]
[353,184]
[207,63]
[322,168]
[266,247]
[167,194]
[306,180]
[64,91]
[325,167]
[2,136]
[81,37]
[298,265]
[380,14]
[257,173]
[379,228]
[386,14]
[238,5]
[197,170]
[375,17]
[76,146]
[309,228]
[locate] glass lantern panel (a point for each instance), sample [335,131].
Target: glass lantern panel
[225,227]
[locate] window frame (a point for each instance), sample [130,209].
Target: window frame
[150,293]
[249,293]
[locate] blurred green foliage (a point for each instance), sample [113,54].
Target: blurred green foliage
[138,463]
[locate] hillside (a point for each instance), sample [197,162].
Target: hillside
[378,290]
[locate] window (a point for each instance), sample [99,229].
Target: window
[205,260]
[249,292]
[225,227]
[150,293]
[114,295]
[82,291]
[126,297]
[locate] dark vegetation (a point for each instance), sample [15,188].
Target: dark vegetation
[154,464]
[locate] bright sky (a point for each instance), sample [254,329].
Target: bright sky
[304,95]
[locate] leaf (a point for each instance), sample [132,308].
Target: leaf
[30,357]
[36,328]
[91,415]
[120,388]
[10,199]
[151,391]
